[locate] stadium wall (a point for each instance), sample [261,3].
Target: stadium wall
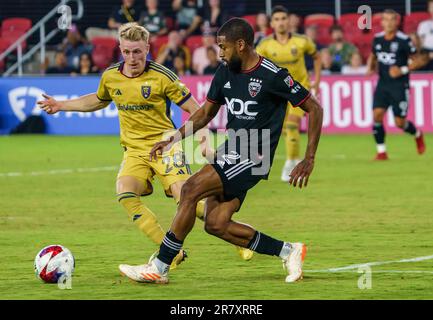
[346,101]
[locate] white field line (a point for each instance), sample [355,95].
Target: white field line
[354,267]
[373,271]
[57,171]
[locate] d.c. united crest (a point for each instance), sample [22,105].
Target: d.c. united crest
[254,87]
[145,91]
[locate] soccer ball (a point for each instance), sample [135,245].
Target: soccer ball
[53,262]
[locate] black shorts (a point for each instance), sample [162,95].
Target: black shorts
[396,96]
[238,172]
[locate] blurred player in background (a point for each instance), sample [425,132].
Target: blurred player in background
[395,54]
[287,50]
[142,91]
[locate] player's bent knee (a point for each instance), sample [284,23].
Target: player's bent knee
[215,228]
[189,191]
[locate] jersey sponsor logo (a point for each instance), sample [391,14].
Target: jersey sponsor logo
[289,81]
[254,87]
[227,85]
[295,89]
[145,91]
[394,46]
[134,107]
[239,108]
[387,58]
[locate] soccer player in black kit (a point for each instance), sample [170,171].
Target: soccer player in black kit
[394,52]
[255,92]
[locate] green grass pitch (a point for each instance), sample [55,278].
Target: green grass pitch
[354,211]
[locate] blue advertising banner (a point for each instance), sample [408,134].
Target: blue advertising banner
[18,98]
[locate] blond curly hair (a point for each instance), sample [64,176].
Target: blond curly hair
[132,31]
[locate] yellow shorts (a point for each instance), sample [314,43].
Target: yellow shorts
[170,168]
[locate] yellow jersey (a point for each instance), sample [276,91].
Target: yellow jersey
[289,55]
[143,102]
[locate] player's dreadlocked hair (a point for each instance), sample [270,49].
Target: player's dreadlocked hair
[237,28]
[132,31]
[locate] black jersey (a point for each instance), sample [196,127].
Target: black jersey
[392,52]
[257,98]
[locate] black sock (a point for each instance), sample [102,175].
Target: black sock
[409,128]
[169,248]
[264,244]
[379,133]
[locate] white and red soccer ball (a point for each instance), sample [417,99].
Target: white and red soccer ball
[54,262]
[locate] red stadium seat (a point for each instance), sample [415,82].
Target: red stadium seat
[251,19]
[411,21]
[323,22]
[4,44]
[103,51]
[349,23]
[194,42]
[13,28]
[16,24]
[157,42]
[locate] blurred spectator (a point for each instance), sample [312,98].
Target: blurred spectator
[188,16]
[311,32]
[425,33]
[179,66]
[126,12]
[199,57]
[327,65]
[294,23]
[86,66]
[213,17]
[173,48]
[340,50]
[261,27]
[425,29]
[356,66]
[153,19]
[73,46]
[61,65]
[212,56]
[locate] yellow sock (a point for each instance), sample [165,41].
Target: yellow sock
[292,138]
[142,216]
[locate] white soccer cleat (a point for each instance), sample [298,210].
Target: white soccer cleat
[294,261]
[145,273]
[289,165]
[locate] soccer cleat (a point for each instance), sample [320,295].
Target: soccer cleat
[294,261]
[289,165]
[181,256]
[245,254]
[420,145]
[381,156]
[146,273]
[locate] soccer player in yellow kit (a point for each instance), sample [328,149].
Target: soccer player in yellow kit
[142,91]
[287,50]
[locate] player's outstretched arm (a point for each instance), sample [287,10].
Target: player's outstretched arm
[302,171]
[198,120]
[86,103]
